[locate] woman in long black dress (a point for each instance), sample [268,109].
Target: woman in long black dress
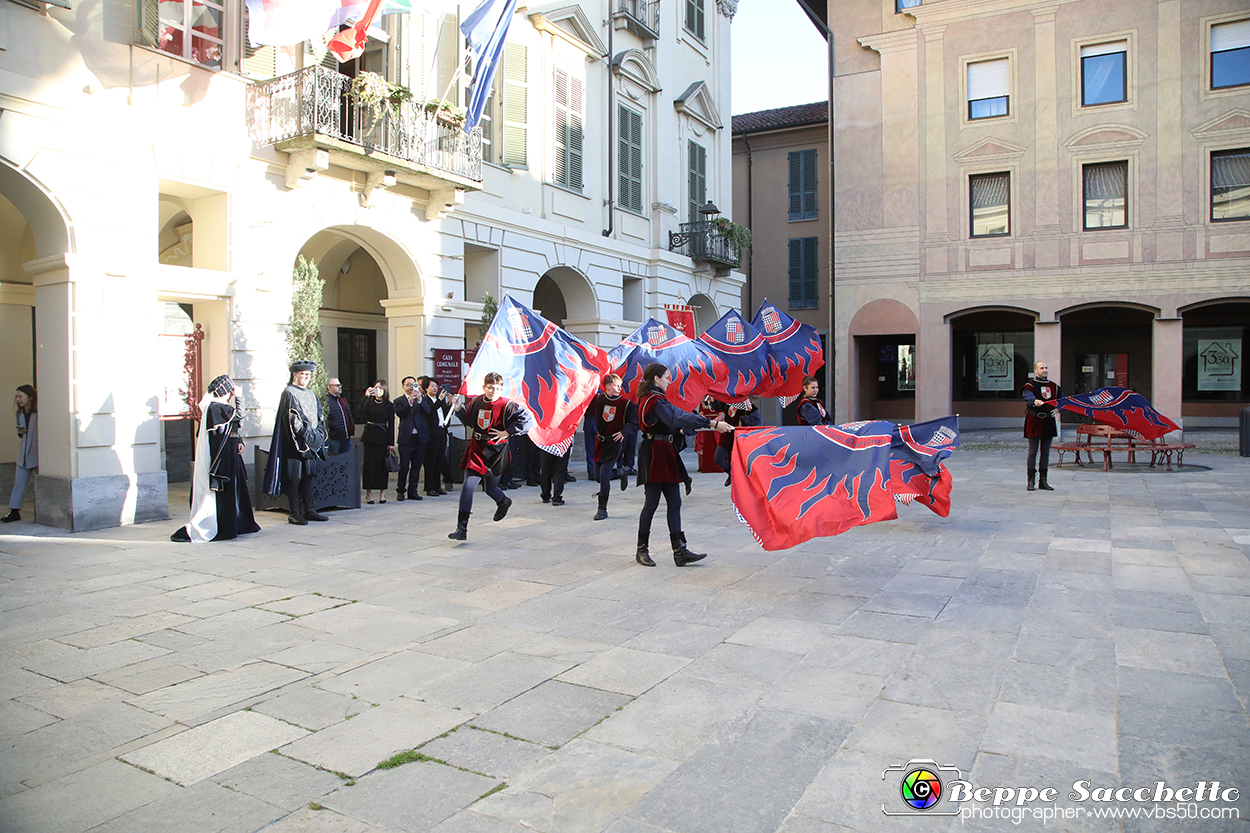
[377,414]
[220,506]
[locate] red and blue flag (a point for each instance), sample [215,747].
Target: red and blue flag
[794,351]
[553,372]
[916,455]
[1120,408]
[744,353]
[694,368]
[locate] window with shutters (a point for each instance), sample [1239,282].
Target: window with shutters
[193,30]
[1105,194]
[803,273]
[259,62]
[1104,76]
[694,18]
[629,159]
[989,203]
[989,89]
[803,185]
[1230,185]
[696,179]
[515,131]
[1230,54]
[570,118]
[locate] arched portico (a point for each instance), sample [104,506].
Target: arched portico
[564,296]
[705,314]
[883,361]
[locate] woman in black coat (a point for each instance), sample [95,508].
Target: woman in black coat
[377,414]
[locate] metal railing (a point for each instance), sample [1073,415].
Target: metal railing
[646,12]
[313,101]
[702,240]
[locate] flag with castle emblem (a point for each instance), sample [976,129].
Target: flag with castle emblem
[744,353]
[1120,408]
[794,351]
[691,365]
[916,455]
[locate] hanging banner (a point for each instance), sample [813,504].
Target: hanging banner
[995,366]
[448,368]
[681,319]
[1219,364]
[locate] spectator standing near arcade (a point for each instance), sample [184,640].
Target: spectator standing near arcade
[811,409]
[340,425]
[411,411]
[1040,423]
[26,406]
[378,414]
[298,445]
[491,420]
[436,423]
[660,468]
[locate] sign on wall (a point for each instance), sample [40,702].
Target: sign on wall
[1219,364]
[448,368]
[996,366]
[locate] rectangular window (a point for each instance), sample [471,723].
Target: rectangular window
[358,361]
[803,185]
[569,128]
[696,179]
[989,88]
[1105,191]
[515,105]
[629,159]
[900,5]
[1230,54]
[694,18]
[1103,73]
[803,257]
[990,204]
[189,29]
[1230,185]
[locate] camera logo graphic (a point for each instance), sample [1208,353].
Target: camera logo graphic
[921,786]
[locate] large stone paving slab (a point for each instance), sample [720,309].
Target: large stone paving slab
[553,713]
[206,806]
[214,747]
[412,797]
[82,799]
[202,696]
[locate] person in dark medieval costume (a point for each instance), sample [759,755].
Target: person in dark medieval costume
[1040,423]
[221,509]
[811,409]
[491,420]
[660,467]
[741,415]
[297,446]
[612,412]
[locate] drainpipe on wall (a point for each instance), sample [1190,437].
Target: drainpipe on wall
[750,301]
[607,232]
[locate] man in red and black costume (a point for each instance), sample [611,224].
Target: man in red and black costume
[491,419]
[612,412]
[811,409]
[660,468]
[1040,422]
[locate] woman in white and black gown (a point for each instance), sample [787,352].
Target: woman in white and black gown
[221,508]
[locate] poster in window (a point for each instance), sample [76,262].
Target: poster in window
[1219,364]
[906,367]
[996,366]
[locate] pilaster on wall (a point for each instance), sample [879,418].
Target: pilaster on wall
[937,236]
[54,305]
[1046,148]
[1047,345]
[933,369]
[1167,367]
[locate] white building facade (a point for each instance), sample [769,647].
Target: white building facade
[156,178]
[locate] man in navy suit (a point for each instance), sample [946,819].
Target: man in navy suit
[412,411]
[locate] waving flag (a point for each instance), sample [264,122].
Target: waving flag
[553,372]
[486,29]
[287,22]
[693,368]
[1120,408]
[743,350]
[794,350]
[916,455]
[350,43]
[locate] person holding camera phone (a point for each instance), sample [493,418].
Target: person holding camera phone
[378,414]
[411,410]
[436,447]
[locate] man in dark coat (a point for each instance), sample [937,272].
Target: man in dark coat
[297,446]
[412,411]
[1040,422]
[436,425]
[339,422]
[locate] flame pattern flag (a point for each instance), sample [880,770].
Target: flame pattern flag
[744,352]
[794,351]
[694,369]
[795,483]
[287,22]
[553,372]
[1120,408]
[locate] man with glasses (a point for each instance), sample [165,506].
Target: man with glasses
[339,422]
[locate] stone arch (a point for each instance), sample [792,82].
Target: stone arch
[884,315]
[877,328]
[574,291]
[705,314]
[46,218]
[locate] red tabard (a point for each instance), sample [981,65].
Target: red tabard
[484,455]
[824,415]
[610,416]
[1040,422]
[664,466]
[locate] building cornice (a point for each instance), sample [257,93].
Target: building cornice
[954,11]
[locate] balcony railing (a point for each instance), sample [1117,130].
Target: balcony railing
[703,241]
[641,16]
[311,103]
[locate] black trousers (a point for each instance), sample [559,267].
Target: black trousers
[411,457]
[672,497]
[1042,444]
[490,485]
[551,474]
[606,470]
[435,454]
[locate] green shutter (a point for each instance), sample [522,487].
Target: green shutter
[803,273]
[577,119]
[809,272]
[148,22]
[562,127]
[629,163]
[796,185]
[515,105]
[796,273]
[697,179]
[569,129]
[809,185]
[694,18]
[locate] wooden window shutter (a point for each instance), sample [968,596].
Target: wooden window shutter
[809,271]
[697,179]
[260,62]
[796,272]
[515,105]
[629,161]
[569,126]
[694,18]
[577,119]
[809,211]
[796,185]
[148,22]
[562,127]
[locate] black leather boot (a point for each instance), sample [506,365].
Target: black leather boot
[603,508]
[503,508]
[681,555]
[462,528]
[1031,487]
[13,515]
[1041,482]
[296,508]
[643,557]
[311,514]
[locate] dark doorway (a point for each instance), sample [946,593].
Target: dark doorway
[887,376]
[1107,347]
[358,361]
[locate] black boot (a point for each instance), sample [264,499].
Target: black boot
[311,514]
[1031,487]
[602,514]
[642,556]
[624,479]
[681,555]
[502,510]
[462,528]
[1041,482]
[13,515]
[296,507]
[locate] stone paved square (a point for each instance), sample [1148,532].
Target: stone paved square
[1099,632]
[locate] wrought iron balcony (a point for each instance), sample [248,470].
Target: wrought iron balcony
[702,240]
[642,17]
[308,110]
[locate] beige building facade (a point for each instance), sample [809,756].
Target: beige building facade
[1021,181]
[160,177]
